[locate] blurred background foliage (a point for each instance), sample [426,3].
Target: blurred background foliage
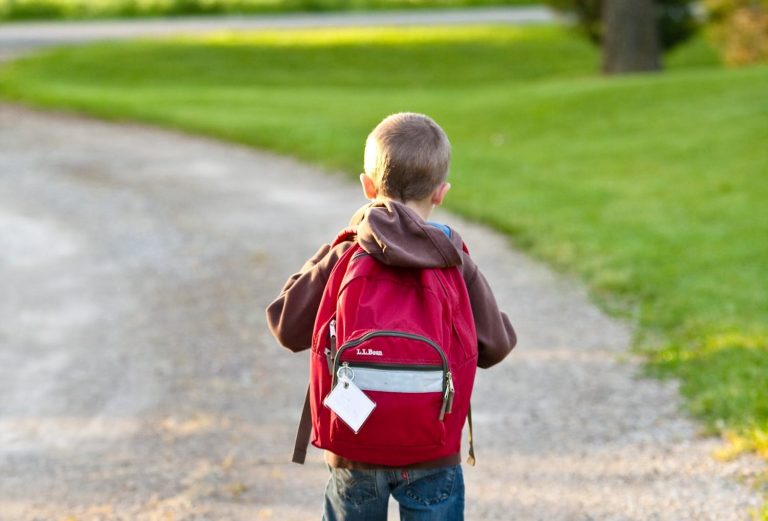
[739,28]
[675,18]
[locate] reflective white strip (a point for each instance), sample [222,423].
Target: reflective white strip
[397,381]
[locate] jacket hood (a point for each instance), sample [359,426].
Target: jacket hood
[397,236]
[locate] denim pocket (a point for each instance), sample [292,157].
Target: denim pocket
[355,487]
[430,486]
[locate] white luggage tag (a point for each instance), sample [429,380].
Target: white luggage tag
[348,401]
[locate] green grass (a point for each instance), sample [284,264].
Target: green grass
[651,188]
[12,10]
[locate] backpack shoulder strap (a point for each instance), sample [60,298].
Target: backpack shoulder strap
[471,458]
[304,431]
[347,234]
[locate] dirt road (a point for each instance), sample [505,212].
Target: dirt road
[138,380]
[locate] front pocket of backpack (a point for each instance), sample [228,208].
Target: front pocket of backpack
[408,403]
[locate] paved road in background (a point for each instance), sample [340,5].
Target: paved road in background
[138,380]
[20,37]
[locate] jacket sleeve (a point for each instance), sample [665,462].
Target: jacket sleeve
[291,316]
[495,335]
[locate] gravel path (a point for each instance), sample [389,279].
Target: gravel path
[138,380]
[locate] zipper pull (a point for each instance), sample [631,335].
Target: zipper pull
[348,375]
[444,406]
[447,396]
[330,352]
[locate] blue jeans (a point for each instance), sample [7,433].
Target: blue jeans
[423,494]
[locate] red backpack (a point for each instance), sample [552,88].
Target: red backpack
[406,337]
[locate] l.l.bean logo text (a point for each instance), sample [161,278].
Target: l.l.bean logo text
[368,352]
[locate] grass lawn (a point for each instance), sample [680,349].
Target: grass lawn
[651,188]
[77,9]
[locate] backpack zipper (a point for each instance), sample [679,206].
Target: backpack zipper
[448,388]
[395,367]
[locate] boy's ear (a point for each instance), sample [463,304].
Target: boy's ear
[369,188]
[439,194]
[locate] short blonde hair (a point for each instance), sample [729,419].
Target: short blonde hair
[407,156]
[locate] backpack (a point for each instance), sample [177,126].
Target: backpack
[406,337]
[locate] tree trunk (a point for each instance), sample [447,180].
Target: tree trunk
[631,40]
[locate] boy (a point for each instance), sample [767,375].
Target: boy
[406,165]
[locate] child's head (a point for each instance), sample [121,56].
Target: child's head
[406,159]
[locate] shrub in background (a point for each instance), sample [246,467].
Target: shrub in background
[739,29]
[676,19]
[24,9]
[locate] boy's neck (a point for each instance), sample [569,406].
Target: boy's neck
[422,208]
